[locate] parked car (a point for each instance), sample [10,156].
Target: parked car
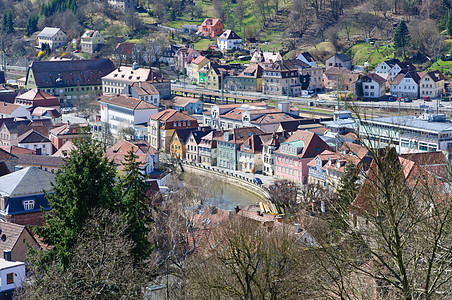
[391,99]
[427,98]
[423,106]
[77,51]
[408,100]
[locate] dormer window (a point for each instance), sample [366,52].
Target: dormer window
[28,204]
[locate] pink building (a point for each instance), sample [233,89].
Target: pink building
[293,156]
[192,145]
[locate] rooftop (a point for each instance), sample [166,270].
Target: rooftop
[125,101]
[49,32]
[28,181]
[412,122]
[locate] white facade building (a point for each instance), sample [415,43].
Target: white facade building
[53,36]
[121,111]
[385,66]
[9,110]
[229,41]
[374,86]
[432,85]
[12,273]
[406,85]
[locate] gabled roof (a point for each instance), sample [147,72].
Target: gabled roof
[343,57]
[210,22]
[38,94]
[8,108]
[42,111]
[70,72]
[435,75]
[144,88]
[198,59]
[199,134]
[411,74]
[406,66]
[375,77]
[89,34]
[337,71]
[240,135]
[265,57]
[120,150]
[308,56]
[125,101]
[65,149]
[124,48]
[283,66]
[183,101]
[5,155]
[15,150]
[229,35]
[12,232]
[252,71]
[28,181]
[40,160]
[310,143]
[67,129]
[49,32]
[392,62]
[183,134]
[252,145]
[169,115]
[131,75]
[32,136]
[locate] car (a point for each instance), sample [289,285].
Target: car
[408,100]
[77,51]
[423,106]
[427,98]
[257,180]
[392,99]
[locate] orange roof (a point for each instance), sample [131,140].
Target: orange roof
[37,94]
[169,115]
[123,100]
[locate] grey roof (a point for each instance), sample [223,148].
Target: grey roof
[28,181]
[412,122]
[49,32]
[343,57]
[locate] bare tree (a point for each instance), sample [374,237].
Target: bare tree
[284,195]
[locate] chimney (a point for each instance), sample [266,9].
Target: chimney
[7,255]
[297,227]
[68,122]
[129,86]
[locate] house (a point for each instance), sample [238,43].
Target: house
[339,60]
[406,85]
[265,59]
[35,141]
[183,57]
[11,130]
[210,28]
[117,80]
[373,86]
[23,196]
[52,36]
[270,144]
[124,52]
[401,68]
[7,93]
[188,104]
[18,239]
[231,142]
[12,149]
[249,155]
[216,75]
[228,116]
[67,132]
[124,5]
[47,163]
[9,110]
[144,91]
[69,79]
[385,66]
[52,114]
[339,78]
[307,58]
[208,153]
[8,161]
[229,41]
[37,98]
[161,127]
[121,112]
[178,142]
[196,65]
[327,168]
[432,85]
[91,41]
[12,274]
[193,142]
[249,79]
[147,156]
[293,155]
[281,78]
[310,76]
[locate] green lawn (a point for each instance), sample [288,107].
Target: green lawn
[374,55]
[444,66]
[203,44]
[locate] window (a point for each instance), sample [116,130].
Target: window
[10,278]
[29,204]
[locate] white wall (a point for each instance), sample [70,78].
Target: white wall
[19,276]
[46,148]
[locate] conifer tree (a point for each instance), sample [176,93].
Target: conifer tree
[86,182]
[402,37]
[134,205]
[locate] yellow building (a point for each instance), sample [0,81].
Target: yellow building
[178,141]
[196,65]
[213,76]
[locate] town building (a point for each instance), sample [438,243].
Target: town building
[270,144]
[249,79]
[428,133]
[124,5]
[339,60]
[35,141]
[91,41]
[281,78]
[52,114]
[401,68]
[385,66]
[232,141]
[188,104]
[195,67]
[47,163]
[23,196]
[310,76]
[67,132]
[432,85]
[178,142]
[373,86]
[210,28]
[307,58]
[12,274]
[229,41]
[69,79]
[293,155]
[37,98]
[249,155]
[17,240]
[339,78]
[122,112]
[183,57]
[216,75]
[208,152]
[193,142]
[161,127]
[144,91]
[52,36]
[11,129]
[147,156]
[9,110]
[117,80]
[265,59]
[406,85]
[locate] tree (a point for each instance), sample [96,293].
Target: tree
[284,195]
[8,22]
[135,206]
[402,37]
[32,25]
[449,24]
[86,182]
[101,268]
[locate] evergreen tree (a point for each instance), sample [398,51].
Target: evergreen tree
[86,182]
[347,191]
[32,25]
[8,22]
[402,37]
[134,205]
[449,24]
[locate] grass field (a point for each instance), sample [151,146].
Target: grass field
[203,44]
[364,52]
